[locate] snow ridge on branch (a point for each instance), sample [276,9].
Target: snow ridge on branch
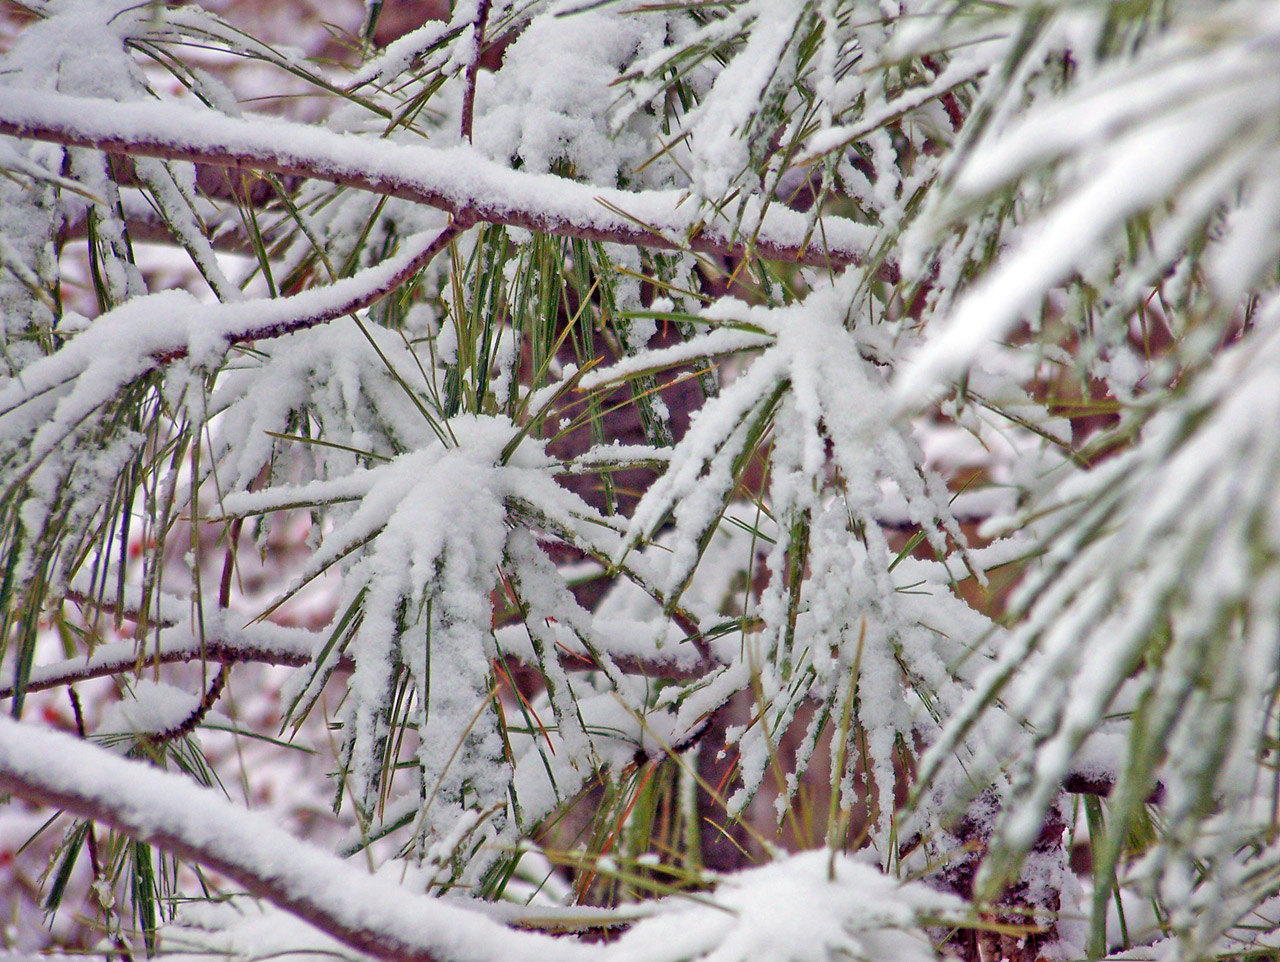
[459,180]
[369,914]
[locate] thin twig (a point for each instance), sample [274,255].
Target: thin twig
[473,67]
[214,691]
[91,840]
[229,651]
[205,705]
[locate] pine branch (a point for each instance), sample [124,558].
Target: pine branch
[473,67]
[183,644]
[461,181]
[369,914]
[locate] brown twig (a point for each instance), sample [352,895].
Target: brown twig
[214,691]
[473,67]
[91,839]
[207,701]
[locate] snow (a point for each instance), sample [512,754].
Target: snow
[459,179]
[1037,204]
[547,110]
[813,906]
[361,910]
[153,708]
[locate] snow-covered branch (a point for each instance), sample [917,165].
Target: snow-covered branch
[217,642]
[460,180]
[158,328]
[367,913]
[851,906]
[222,639]
[628,526]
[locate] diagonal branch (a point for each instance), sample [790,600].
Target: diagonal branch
[460,180]
[155,329]
[258,320]
[368,913]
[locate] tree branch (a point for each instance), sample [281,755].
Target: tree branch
[155,329]
[335,300]
[459,180]
[228,649]
[367,913]
[473,67]
[218,643]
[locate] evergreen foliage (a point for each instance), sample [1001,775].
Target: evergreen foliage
[838,421]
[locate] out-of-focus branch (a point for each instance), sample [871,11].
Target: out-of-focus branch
[224,228]
[459,180]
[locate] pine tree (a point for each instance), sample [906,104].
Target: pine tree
[824,427]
